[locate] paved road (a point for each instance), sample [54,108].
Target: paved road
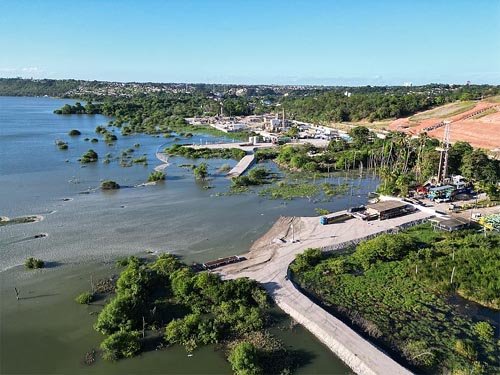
[248,147]
[268,263]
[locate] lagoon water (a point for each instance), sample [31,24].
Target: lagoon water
[86,229]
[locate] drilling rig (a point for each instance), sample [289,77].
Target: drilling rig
[443,160]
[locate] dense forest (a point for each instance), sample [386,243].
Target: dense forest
[28,87]
[395,289]
[167,303]
[378,103]
[141,104]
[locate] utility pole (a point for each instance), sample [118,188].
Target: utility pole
[143,327]
[91,285]
[283,120]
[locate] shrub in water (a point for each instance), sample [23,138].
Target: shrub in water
[32,263]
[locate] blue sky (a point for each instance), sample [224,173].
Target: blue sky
[331,42]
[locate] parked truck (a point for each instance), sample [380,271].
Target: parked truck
[325,220]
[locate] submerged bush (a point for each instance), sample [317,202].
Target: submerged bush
[85,298]
[109,185]
[156,176]
[121,344]
[32,263]
[131,259]
[89,157]
[74,132]
[244,359]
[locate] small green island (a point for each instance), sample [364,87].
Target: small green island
[156,176]
[109,185]
[163,303]
[34,263]
[61,145]
[18,220]
[204,152]
[74,132]
[89,157]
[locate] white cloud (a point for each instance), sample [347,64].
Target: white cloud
[21,71]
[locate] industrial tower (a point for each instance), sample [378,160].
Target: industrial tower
[443,160]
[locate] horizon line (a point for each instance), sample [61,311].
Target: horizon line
[254,84]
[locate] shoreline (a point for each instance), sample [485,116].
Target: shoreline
[268,261]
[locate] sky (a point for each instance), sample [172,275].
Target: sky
[316,42]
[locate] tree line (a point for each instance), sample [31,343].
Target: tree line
[400,160]
[371,104]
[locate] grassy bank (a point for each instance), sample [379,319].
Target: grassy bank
[394,289]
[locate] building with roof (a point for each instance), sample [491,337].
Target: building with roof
[449,225]
[388,209]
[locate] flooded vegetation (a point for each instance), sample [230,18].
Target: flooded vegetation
[85,233]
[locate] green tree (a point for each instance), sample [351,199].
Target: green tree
[201,171]
[386,247]
[166,264]
[182,284]
[33,263]
[135,281]
[119,314]
[418,353]
[466,349]
[244,359]
[85,298]
[121,344]
[298,161]
[455,155]
[309,258]
[89,157]
[483,330]
[473,164]
[338,145]
[293,132]
[156,176]
[360,136]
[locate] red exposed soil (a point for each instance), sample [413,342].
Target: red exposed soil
[482,132]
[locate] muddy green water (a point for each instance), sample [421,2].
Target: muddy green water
[46,332]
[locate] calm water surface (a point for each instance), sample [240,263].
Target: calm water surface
[47,332]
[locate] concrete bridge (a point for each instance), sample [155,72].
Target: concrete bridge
[246,162]
[240,168]
[161,156]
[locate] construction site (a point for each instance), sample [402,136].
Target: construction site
[477,123]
